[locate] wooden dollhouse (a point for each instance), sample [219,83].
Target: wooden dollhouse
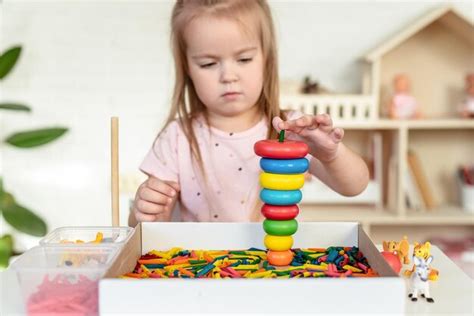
[436,51]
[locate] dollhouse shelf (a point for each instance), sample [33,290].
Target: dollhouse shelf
[435,51]
[388,124]
[441,144]
[446,215]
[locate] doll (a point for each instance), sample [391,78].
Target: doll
[403,105]
[419,279]
[401,249]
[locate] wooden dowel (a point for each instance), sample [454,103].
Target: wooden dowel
[115,171]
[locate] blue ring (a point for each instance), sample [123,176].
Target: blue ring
[281,197]
[284,166]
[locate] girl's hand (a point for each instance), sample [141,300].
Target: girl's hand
[315,130]
[155,200]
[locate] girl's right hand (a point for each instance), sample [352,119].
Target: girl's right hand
[155,200]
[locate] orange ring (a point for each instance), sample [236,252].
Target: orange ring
[280,258]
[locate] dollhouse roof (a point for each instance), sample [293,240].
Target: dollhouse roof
[447,15]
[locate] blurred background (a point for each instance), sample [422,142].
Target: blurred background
[82,62]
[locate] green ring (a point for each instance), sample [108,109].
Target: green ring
[280,228]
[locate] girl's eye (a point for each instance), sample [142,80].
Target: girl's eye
[245,60]
[208,65]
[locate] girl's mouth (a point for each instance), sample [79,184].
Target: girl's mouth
[231,95]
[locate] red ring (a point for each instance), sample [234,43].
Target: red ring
[280,212]
[272,148]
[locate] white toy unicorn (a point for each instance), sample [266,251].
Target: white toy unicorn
[419,279]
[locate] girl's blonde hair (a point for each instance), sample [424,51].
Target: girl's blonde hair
[185,104]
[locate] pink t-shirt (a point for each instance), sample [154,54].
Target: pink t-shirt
[230,192]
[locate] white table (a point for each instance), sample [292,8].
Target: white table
[453,292]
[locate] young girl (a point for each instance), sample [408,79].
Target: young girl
[225,99]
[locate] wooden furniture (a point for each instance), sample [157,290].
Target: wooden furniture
[436,52]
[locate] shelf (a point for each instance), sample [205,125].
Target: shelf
[444,215]
[369,125]
[448,215]
[409,124]
[315,192]
[440,123]
[343,213]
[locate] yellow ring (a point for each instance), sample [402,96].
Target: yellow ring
[278,243]
[275,181]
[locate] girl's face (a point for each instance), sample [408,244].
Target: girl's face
[225,65]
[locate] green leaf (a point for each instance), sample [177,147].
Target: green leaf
[14,107]
[35,138]
[7,200]
[1,192]
[23,219]
[8,60]
[6,250]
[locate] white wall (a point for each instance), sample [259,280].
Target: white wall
[85,61]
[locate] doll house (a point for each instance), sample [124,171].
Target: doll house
[436,53]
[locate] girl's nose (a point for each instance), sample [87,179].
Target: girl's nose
[228,74]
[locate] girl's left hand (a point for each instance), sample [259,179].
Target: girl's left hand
[316,131]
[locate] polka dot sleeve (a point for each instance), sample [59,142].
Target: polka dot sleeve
[162,159]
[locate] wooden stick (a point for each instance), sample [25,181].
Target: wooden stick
[115,171]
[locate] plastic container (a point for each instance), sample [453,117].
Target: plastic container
[85,236]
[62,280]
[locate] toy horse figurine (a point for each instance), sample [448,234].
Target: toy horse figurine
[423,251]
[401,249]
[419,279]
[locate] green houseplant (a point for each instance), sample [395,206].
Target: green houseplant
[19,216]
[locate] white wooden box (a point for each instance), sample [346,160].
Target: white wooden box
[349,295]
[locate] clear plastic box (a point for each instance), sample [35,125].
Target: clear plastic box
[62,280]
[85,236]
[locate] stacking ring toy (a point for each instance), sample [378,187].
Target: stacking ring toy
[278,243]
[280,212]
[284,166]
[280,258]
[281,181]
[272,148]
[276,197]
[280,228]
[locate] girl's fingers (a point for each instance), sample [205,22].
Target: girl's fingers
[174,184]
[299,123]
[162,187]
[337,134]
[277,123]
[141,217]
[149,208]
[304,121]
[295,126]
[152,196]
[307,122]
[324,122]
